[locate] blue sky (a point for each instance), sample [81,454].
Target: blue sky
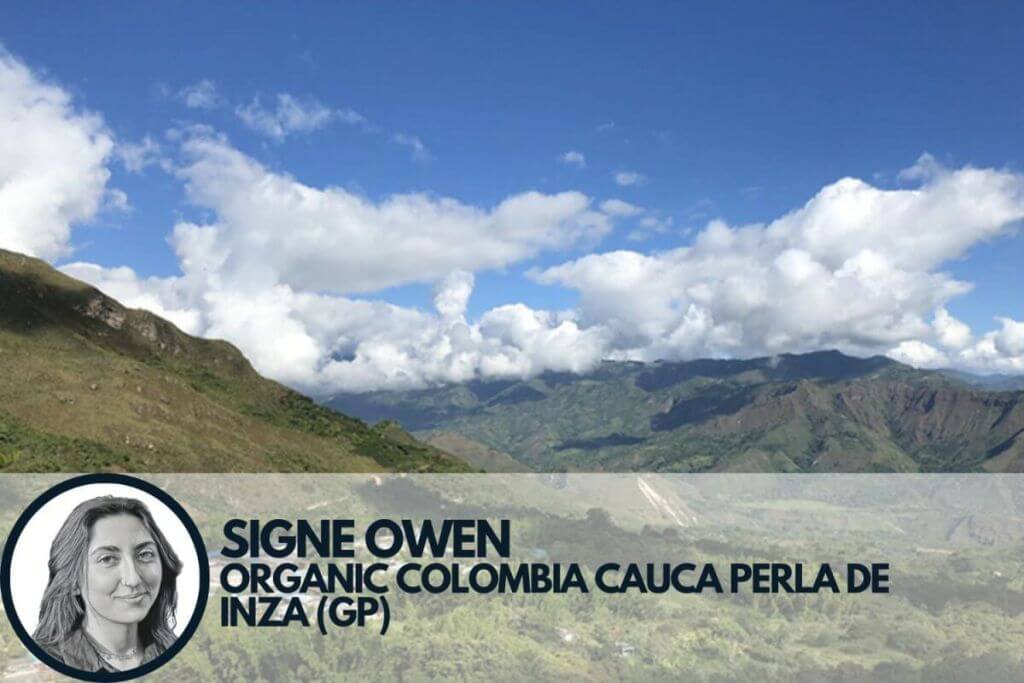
[742,112]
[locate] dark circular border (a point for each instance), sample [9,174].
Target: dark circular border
[63,487]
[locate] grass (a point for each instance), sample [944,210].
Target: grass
[23,449]
[89,385]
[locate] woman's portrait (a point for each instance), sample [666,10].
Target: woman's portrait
[104,580]
[111,597]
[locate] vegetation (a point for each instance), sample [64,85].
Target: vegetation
[90,385]
[817,412]
[25,449]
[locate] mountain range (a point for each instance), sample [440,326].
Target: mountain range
[88,385]
[814,412]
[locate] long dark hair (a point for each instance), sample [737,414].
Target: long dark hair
[62,608]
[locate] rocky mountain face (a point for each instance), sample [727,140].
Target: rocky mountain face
[816,412]
[87,384]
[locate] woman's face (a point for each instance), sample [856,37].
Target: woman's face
[122,570]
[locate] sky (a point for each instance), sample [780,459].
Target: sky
[394,195]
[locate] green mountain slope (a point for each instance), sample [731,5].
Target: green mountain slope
[88,384]
[817,412]
[476,454]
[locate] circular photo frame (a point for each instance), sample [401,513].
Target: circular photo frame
[117,552]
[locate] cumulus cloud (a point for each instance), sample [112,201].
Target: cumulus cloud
[292,115]
[857,267]
[919,354]
[451,295]
[277,265]
[574,158]
[201,95]
[1010,339]
[277,269]
[629,178]
[53,157]
[408,348]
[322,343]
[275,272]
[951,333]
[271,226]
[1000,350]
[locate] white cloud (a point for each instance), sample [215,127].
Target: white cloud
[276,269]
[323,344]
[1010,339]
[574,158]
[617,207]
[270,226]
[856,268]
[137,156]
[258,276]
[925,168]
[919,354]
[419,150]
[292,115]
[451,295]
[629,178]
[116,200]
[408,348]
[951,333]
[201,95]
[53,158]
[1000,350]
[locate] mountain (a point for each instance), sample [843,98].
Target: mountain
[815,412]
[476,454]
[989,382]
[91,385]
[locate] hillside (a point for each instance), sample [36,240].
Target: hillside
[816,412]
[989,382]
[91,385]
